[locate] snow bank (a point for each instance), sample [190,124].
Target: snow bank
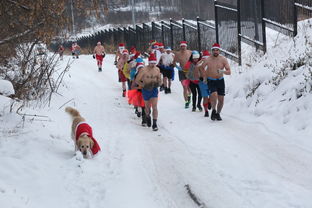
[6,88]
[276,86]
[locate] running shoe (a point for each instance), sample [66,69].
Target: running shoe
[187,104]
[213,115]
[218,117]
[200,108]
[206,114]
[148,121]
[155,128]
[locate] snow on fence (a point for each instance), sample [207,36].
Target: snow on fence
[235,22]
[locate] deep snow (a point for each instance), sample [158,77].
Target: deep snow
[258,156]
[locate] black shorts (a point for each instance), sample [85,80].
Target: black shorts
[161,68]
[182,76]
[216,85]
[168,73]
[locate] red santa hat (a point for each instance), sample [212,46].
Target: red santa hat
[152,59]
[132,49]
[216,46]
[139,65]
[155,45]
[137,54]
[152,42]
[121,45]
[206,54]
[183,43]
[125,52]
[161,45]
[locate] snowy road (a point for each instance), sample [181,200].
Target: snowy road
[228,164]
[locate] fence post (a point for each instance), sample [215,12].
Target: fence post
[263,27]
[183,29]
[295,19]
[216,21]
[239,37]
[153,31]
[171,34]
[198,34]
[162,32]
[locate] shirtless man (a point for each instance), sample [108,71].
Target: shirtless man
[149,78]
[119,51]
[99,54]
[217,65]
[182,57]
[120,65]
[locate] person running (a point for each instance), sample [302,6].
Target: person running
[118,55]
[135,94]
[217,65]
[167,69]
[77,50]
[203,85]
[99,54]
[193,79]
[120,65]
[73,49]
[182,58]
[61,50]
[150,79]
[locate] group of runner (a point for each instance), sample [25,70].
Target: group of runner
[201,76]
[75,50]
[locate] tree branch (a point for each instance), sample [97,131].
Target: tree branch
[29,31]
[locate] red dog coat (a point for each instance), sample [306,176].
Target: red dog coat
[86,129]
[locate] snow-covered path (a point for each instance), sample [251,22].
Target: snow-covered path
[233,163]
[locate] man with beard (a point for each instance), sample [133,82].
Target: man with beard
[182,57]
[217,65]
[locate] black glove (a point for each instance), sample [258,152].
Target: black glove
[103,55]
[115,63]
[93,56]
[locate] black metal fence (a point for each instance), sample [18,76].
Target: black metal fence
[235,21]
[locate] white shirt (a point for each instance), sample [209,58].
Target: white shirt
[167,59]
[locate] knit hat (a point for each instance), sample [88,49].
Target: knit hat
[152,59]
[206,54]
[139,63]
[183,43]
[168,48]
[195,54]
[216,46]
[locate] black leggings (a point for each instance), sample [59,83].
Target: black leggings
[195,90]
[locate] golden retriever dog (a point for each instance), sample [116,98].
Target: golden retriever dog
[82,134]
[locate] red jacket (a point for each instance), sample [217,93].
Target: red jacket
[85,128]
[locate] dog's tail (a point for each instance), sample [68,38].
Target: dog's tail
[73,112]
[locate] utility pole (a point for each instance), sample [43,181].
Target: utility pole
[133,16]
[73,20]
